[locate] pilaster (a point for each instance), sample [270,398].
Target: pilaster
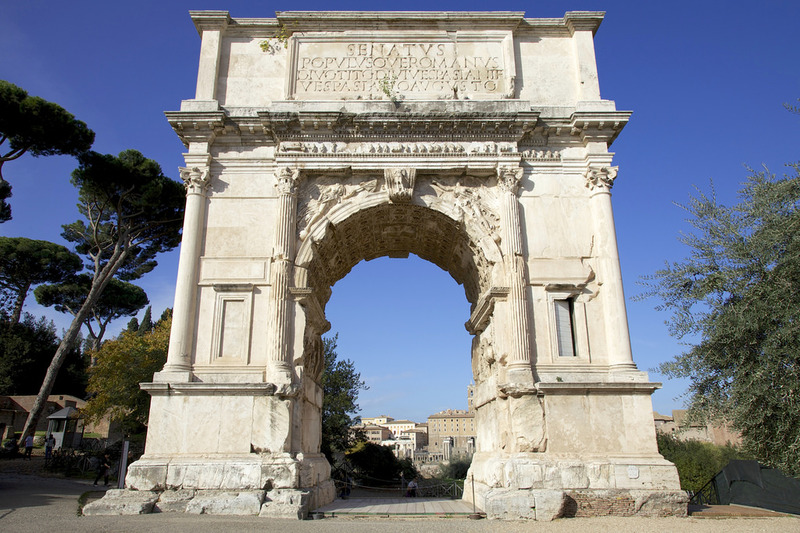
[279,364]
[521,349]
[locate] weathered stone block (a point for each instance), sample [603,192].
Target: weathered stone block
[667,503]
[550,504]
[145,475]
[122,502]
[286,503]
[173,501]
[226,503]
[510,504]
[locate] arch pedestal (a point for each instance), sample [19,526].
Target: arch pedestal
[293,180]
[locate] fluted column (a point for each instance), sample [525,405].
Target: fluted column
[599,181]
[196,180]
[520,349]
[279,364]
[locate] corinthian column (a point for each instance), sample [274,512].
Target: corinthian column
[279,368]
[599,181]
[520,349]
[196,180]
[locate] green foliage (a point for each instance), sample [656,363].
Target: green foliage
[456,469]
[147,321]
[374,464]
[129,207]
[131,213]
[738,292]
[407,468]
[27,262]
[133,325]
[117,300]
[121,365]
[697,462]
[26,348]
[34,125]
[281,37]
[340,387]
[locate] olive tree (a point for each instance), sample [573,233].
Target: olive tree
[736,298]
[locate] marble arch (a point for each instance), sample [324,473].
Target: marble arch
[478,141]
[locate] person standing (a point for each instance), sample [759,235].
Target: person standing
[28,447]
[49,444]
[412,488]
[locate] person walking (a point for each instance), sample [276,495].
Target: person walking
[103,469]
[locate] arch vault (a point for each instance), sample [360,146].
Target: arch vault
[477,141]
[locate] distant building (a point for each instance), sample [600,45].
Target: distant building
[376,434]
[381,420]
[14,412]
[451,433]
[403,446]
[676,425]
[398,427]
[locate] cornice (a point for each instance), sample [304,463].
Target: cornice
[196,126]
[210,20]
[598,126]
[378,126]
[526,129]
[479,318]
[598,388]
[300,21]
[395,20]
[583,20]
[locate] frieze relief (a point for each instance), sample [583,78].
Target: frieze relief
[337,149]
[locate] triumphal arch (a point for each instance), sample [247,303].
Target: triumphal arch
[477,141]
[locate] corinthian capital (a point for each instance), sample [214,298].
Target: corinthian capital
[286,180]
[601,179]
[509,178]
[195,179]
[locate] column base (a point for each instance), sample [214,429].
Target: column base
[540,487]
[270,485]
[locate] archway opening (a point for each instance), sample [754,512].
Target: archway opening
[381,276]
[401,321]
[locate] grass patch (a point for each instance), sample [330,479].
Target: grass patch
[82,501]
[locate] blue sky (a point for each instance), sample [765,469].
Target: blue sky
[705,81]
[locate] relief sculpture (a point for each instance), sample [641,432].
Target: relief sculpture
[470,203]
[323,193]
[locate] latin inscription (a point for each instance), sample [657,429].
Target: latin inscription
[399,69]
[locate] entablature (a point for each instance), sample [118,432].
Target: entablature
[324,132]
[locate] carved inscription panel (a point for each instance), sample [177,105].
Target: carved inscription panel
[413,66]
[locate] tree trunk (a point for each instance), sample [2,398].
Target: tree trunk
[18,303]
[98,285]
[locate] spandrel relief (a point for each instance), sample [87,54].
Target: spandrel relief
[319,195]
[471,202]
